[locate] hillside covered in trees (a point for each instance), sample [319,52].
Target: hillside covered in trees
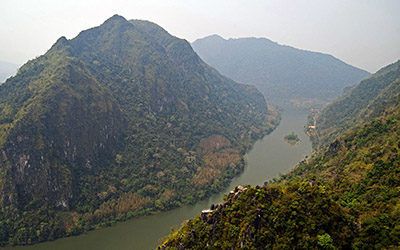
[122,120]
[347,195]
[282,73]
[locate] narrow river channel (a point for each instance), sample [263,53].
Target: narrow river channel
[268,158]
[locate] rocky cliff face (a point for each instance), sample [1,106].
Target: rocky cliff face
[80,128]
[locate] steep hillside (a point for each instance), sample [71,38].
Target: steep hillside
[369,99]
[347,195]
[122,120]
[283,74]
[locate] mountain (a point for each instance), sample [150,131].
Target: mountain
[122,120]
[283,74]
[346,195]
[6,70]
[370,99]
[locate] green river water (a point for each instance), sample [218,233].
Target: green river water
[268,158]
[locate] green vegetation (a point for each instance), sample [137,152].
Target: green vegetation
[369,99]
[292,138]
[274,216]
[120,121]
[347,195]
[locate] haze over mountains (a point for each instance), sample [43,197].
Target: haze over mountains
[373,97]
[6,70]
[119,121]
[282,73]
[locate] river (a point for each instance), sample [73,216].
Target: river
[268,158]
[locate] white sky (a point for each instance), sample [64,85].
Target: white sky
[364,33]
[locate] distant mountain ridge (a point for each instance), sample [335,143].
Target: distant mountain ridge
[7,70]
[282,73]
[119,121]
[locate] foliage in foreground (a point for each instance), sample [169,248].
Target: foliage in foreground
[276,216]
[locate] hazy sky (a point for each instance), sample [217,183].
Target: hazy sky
[364,33]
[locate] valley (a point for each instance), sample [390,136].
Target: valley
[268,158]
[345,195]
[199,125]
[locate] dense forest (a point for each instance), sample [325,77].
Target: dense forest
[346,195]
[122,120]
[282,73]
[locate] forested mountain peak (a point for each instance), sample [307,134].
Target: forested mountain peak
[121,120]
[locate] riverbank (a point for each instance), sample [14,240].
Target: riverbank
[267,159]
